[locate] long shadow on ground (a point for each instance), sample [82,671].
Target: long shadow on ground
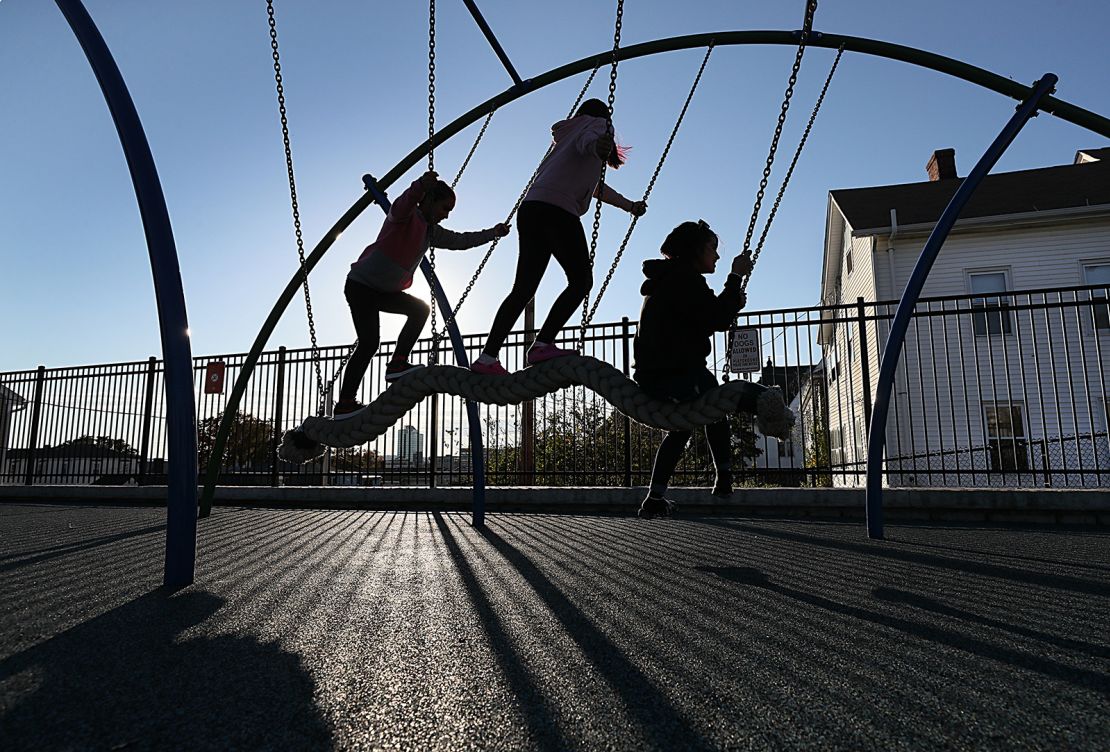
[113,677]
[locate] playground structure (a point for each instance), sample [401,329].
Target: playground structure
[182,499]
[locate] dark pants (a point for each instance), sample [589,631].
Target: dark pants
[366,304]
[681,386]
[545,231]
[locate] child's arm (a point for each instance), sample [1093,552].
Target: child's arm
[716,312]
[405,205]
[450,240]
[611,197]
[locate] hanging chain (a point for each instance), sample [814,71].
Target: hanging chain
[650,187]
[803,39]
[295,205]
[451,317]
[604,162]
[807,25]
[793,163]
[473,148]
[434,355]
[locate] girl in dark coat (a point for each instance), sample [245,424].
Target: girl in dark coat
[680,313]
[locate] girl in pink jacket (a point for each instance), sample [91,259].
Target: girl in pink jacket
[549,225]
[377,281]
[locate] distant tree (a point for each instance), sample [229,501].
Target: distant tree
[106,443]
[248,446]
[584,444]
[356,459]
[818,458]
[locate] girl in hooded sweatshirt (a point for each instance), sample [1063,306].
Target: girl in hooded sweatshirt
[549,225]
[377,280]
[679,315]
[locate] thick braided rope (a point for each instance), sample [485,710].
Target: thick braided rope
[529,384]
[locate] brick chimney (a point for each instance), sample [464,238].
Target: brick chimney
[942,165]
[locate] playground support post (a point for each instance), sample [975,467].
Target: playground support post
[181,430]
[876,438]
[497,49]
[477,457]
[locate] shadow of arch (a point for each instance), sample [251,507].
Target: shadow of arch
[128,678]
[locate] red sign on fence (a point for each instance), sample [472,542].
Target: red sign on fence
[214,377]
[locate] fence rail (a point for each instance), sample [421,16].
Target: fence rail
[1007,389]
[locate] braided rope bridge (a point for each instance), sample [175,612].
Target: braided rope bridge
[773,418]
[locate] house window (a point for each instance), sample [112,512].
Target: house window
[846,242]
[988,317]
[836,447]
[1101,409]
[1006,438]
[1099,274]
[786,449]
[861,439]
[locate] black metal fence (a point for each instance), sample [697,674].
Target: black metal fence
[1009,390]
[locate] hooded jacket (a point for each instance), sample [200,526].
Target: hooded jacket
[568,176]
[389,262]
[679,315]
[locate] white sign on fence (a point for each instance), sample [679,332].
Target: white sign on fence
[745,355]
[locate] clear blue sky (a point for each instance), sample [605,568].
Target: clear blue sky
[76,285]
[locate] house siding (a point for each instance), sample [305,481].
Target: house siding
[1052,364]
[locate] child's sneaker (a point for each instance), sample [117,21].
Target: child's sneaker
[539,353]
[493,368]
[399,368]
[346,408]
[656,506]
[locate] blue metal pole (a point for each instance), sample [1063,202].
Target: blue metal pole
[181,431]
[876,440]
[478,510]
[492,40]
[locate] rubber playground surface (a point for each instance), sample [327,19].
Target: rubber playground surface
[318,629]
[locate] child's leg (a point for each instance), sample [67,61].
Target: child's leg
[717,434]
[535,253]
[720,447]
[417,312]
[666,460]
[573,254]
[364,312]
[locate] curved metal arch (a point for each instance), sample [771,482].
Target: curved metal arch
[955,68]
[181,431]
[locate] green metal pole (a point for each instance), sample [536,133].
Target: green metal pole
[910,55]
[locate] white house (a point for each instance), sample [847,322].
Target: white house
[1011,385]
[784,458]
[10,403]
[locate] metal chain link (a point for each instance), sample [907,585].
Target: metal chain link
[794,162]
[453,315]
[434,355]
[811,7]
[295,204]
[604,162]
[650,187]
[803,38]
[473,148]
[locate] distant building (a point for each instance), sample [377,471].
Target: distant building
[788,454]
[78,465]
[10,403]
[410,446]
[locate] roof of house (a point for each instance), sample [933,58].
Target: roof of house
[1092,154]
[1042,189]
[10,397]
